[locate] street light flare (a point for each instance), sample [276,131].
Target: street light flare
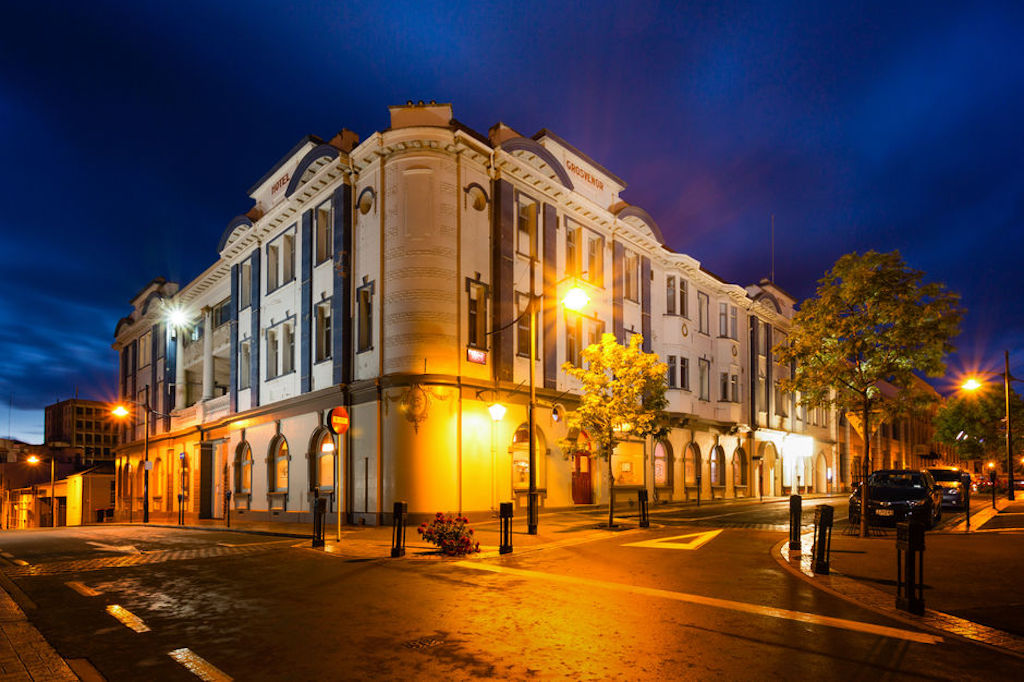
[32,459]
[575,299]
[971,384]
[497,411]
[120,411]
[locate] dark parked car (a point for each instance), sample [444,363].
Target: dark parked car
[951,481]
[896,495]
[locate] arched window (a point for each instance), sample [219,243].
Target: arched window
[322,460]
[157,480]
[692,464]
[718,466]
[279,465]
[140,482]
[243,468]
[662,464]
[739,467]
[521,458]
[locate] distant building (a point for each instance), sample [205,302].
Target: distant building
[84,424]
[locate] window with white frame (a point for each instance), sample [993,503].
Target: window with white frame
[703,313]
[573,246]
[364,302]
[476,314]
[221,313]
[723,319]
[704,369]
[287,348]
[670,295]
[734,323]
[243,469]
[522,325]
[323,331]
[717,466]
[526,241]
[723,387]
[273,266]
[684,373]
[244,285]
[244,364]
[734,388]
[662,464]
[631,276]
[287,258]
[671,371]
[273,353]
[573,338]
[324,470]
[324,232]
[145,349]
[279,465]
[684,298]
[594,264]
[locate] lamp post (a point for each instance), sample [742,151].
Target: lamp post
[122,411]
[34,459]
[973,384]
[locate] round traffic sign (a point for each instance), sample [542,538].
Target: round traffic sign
[338,421]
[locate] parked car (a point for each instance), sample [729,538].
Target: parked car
[896,495]
[951,481]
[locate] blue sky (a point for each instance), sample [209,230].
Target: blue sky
[129,133]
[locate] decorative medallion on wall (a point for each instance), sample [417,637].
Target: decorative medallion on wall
[414,403]
[735,352]
[686,330]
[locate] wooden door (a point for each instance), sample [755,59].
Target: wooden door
[581,488]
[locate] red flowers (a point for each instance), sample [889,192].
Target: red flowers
[450,534]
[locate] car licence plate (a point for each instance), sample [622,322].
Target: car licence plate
[884,512]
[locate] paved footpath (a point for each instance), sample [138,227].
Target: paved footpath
[24,654]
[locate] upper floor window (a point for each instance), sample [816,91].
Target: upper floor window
[364,301]
[670,295]
[684,373]
[323,331]
[244,364]
[476,312]
[280,350]
[705,378]
[594,262]
[523,325]
[145,349]
[723,319]
[684,298]
[280,261]
[631,276]
[244,285]
[221,313]
[527,227]
[671,371]
[734,323]
[324,232]
[572,250]
[703,313]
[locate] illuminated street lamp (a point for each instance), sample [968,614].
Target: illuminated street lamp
[972,384]
[122,411]
[497,411]
[34,459]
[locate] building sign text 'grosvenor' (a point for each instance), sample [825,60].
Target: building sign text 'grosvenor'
[583,173]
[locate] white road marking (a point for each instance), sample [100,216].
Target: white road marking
[199,666]
[755,609]
[124,549]
[20,562]
[697,541]
[82,589]
[128,618]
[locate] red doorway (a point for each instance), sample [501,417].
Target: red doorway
[582,491]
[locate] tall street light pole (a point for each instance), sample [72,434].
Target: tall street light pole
[1009,442]
[122,411]
[34,459]
[532,502]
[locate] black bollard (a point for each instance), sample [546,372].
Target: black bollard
[227,507]
[794,522]
[641,497]
[822,547]
[398,529]
[910,567]
[319,518]
[505,517]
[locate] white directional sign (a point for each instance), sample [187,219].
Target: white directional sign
[688,541]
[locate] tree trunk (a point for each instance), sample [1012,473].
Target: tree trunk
[611,484]
[865,468]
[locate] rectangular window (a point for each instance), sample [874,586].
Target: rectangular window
[324,232]
[761,393]
[522,325]
[723,387]
[780,402]
[723,319]
[572,251]
[573,336]
[684,298]
[244,365]
[705,378]
[703,313]
[670,295]
[672,370]
[287,349]
[595,331]
[273,263]
[527,227]
[364,300]
[684,373]
[323,331]
[145,349]
[288,258]
[733,323]
[244,285]
[476,311]
[272,354]
[734,388]
[221,313]
[763,342]
[595,261]
[631,273]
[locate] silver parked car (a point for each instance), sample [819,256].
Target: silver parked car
[951,481]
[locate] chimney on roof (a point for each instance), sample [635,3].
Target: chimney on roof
[411,115]
[346,140]
[500,132]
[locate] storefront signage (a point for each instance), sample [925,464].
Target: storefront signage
[476,355]
[280,184]
[338,421]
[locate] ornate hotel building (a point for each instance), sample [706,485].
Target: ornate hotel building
[388,276]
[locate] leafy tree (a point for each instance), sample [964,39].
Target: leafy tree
[623,395]
[974,425]
[872,321]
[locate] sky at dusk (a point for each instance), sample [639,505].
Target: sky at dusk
[130,132]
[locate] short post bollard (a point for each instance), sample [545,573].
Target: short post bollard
[910,567]
[398,529]
[967,506]
[698,489]
[795,512]
[505,517]
[992,479]
[645,519]
[319,518]
[227,507]
[822,547]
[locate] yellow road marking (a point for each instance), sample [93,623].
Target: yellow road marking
[755,609]
[128,618]
[199,666]
[697,540]
[82,589]
[21,562]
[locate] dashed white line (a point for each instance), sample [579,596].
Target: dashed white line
[82,589]
[128,618]
[199,666]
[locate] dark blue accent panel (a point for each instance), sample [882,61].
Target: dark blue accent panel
[236,223]
[233,350]
[341,300]
[170,369]
[752,393]
[637,212]
[254,351]
[320,152]
[768,385]
[645,302]
[527,145]
[549,316]
[306,304]
[618,291]
[502,245]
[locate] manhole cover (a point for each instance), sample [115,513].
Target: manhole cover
[423,643]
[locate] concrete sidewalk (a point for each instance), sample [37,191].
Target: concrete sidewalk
[24,654]
[972,585]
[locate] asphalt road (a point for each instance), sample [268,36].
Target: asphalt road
[259,607]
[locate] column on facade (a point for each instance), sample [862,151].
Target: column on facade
[179,369]
[207,353]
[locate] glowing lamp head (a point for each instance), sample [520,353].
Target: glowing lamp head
[120,411]
[497,411]
[991,465]
[176,317]
[33,459]
[575,299]
[971,384]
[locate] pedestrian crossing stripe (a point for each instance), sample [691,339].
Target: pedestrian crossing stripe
[693,541]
